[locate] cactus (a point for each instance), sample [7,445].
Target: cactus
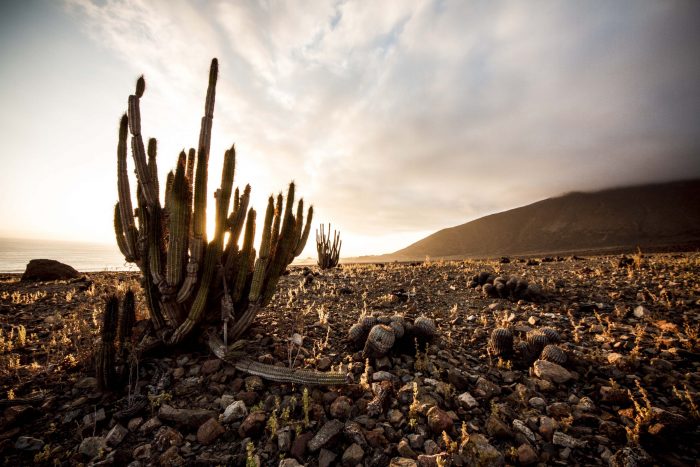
[380,340]
[328,252]
[553,354]
[117,325]
[501,342]
[377,335]
[189,279]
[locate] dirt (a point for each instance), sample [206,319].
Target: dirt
[628,390]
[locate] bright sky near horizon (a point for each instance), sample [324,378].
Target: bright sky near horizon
[395,118]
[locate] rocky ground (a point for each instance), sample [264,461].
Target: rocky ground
[627,394]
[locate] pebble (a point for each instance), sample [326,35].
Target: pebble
[116,435]
[402,462]
[209,431]
[467,401]
[562,439]
[92,446]
[527,455]
[327,433]
[192,418]
[252,425]
[551,372]
[439,420]
[290,462]
[28,443]
[353,455]
[382,376]
[326,458]
[341,408]
[235,411]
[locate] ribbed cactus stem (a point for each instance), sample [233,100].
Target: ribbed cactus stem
[328,252]
[119,233]
[246,251]
[261,263]
[305,234]
[104,358]
[137,147]
[223,199]
[179,231]
[152,164]
[128,226]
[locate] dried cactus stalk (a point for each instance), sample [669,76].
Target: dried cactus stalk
[378,404]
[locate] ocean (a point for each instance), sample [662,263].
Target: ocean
[85,257]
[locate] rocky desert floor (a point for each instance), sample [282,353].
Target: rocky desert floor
[626,395]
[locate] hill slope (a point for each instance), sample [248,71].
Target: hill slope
[658,215]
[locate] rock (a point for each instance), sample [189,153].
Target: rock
[91,447]
[323,364]
[353,432]
[89,382]
[93,418]
[150,425]
[416,441]
[430,447]
[235,411]
[383,363]
[433,460]
[290,462]
[486,389]
[353,455]
[116,435]
[547,428]
[562,439]
[639,312]
[395,417]
[209,431]
[559,410]
[28,443]
[142,452]
[482,453]
[254,384]
[404,450]
[630,457]
[526,455]
[438,420]
[211,366]
[326,458]
[341,408]
[612,395]
[467,401]
[497,428]
[327,432]
[376,438]
[166,437]
[134,423]
[382,376]
[537,403]
[402,462]
[252,425]
[551,372]
[300,444]
[284,439]
[192,418]
[48,270]
[661,364]
[457,379]
[520,426]
[171,457]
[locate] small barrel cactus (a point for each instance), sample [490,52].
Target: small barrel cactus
[536,341]
[424,327]
[501,342]
[552,334]
[379,341]
[554,354]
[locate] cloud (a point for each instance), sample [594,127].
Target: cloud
[400,117]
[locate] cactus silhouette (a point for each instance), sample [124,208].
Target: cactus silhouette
[189,280]
[328,252]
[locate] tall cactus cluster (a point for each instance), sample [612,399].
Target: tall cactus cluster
[187,278]
[328,251]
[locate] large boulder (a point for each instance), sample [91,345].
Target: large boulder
[48,270]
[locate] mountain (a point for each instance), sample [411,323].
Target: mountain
[651,216]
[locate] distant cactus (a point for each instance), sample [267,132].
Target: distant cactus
[511,288]
[328,252]
[188,279]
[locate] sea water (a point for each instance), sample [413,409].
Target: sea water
[85,257]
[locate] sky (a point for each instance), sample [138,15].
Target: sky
[394,118]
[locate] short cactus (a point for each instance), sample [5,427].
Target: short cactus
[377,339]
[553,354]
[501,342]
[380,340]
[328,251]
